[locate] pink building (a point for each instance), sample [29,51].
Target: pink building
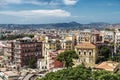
[52,62]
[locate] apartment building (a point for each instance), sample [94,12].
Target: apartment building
[117,41]
[84,36]
[9,52]
[97,36]
[108,36]
[52,62]
[20,51]
[68,42]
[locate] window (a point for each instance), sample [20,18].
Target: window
[66,43]
[42,67]
[84,53]
[45,67]
[79,52]
[90,53]
[69,46]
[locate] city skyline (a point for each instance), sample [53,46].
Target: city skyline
[55,11]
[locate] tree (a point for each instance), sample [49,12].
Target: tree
[31,63]
[116,57]
[109,77]
[105,52]
[67,57]
[80,73]
[12,37]
[96,74]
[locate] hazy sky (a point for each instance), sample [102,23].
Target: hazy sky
[52,11]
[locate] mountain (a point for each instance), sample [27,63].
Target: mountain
[96,25]
[70,25]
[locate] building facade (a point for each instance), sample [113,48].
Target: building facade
[21,51]
[87,54]
[117,41]
[84,36]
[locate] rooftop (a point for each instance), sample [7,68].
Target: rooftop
[11,73]
[107,65]
[85,45]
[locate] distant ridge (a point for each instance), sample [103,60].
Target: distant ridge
[69,25]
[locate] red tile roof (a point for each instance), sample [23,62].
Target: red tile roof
[85,45]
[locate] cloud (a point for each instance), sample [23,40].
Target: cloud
[34,16]
[38,13]
[34,2]
[70,2]
[39,2]
[50,2]
[3,3]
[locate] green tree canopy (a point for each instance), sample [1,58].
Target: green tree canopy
[105,51]
[12,37]
[31,63]
[67,57]
[80,73]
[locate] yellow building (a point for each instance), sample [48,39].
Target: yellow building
[68,43]
[87,54]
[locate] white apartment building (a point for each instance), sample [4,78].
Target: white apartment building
[84,36]
[108,36]
[117,41]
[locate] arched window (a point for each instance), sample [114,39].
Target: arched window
[84,53]
[90,53]
[79,52]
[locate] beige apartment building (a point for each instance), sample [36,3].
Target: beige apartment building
[68,42]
